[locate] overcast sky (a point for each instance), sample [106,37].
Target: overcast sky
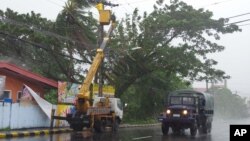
[234,60]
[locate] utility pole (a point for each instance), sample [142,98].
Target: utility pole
[100,7]
[206,84]
[105,17]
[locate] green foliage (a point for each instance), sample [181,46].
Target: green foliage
[5,129]
[51,96]
[145,98]
[174,39]
[140,121]
[28,40]
[228,105]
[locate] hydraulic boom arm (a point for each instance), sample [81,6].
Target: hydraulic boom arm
[84,94]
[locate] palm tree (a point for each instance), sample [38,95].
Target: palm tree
[75,22]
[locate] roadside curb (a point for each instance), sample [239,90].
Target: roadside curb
[32,133]
[12,134]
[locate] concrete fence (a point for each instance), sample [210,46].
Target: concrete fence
[18,116]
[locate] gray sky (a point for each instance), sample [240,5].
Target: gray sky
[234,60]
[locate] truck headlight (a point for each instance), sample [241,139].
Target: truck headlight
[168,111]
[185,112]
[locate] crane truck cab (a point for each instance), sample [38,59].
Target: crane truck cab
[188,109]
[104,112]
[114,104]
[111,114]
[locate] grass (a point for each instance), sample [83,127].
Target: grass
[5,129]
[144,121]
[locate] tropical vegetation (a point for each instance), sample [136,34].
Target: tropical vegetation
[175,41]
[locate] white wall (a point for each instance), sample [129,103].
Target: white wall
[16,116]
[4,115]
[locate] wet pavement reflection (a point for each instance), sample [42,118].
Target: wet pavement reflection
[220,132]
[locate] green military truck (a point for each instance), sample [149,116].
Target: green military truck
[188,109]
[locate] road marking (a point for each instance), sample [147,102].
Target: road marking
[32,133]
[140,138]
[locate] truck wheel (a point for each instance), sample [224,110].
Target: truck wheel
[116,125]
[209,127]
[77,127]
[193,130]
[206,128]
[98,126]
[164,128]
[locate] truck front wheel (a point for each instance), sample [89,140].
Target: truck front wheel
[193,129]
[116,125]
[164,128]
[206,128]
[209,127]
[98,126]
[77,127]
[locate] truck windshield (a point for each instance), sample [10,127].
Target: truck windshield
[182,100]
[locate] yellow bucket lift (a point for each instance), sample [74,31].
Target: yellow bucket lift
[105,15]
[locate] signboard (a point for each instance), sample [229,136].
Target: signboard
[43,104]
[107,90]
[67,91]
[26,96]
[98,110]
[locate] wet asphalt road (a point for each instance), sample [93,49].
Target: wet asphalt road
[220,132]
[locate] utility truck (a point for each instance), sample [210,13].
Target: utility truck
[103,111]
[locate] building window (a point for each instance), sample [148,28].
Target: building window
[19,95]
[6,94]
[2,82]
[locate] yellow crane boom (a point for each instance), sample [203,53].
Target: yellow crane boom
[105,111]
[84,95]
[84,90]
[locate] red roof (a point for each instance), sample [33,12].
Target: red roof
[20,72]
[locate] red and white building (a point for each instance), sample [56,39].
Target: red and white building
[12,79]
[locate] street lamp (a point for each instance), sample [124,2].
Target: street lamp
[225,80]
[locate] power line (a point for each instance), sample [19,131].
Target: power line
[35,44]
[129,4]
[55,3]
[244,24]
[139,1]
[63,1]
[239,21]
[144,1]
[123,6]
[216,3]
[33,28]
[238,15]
